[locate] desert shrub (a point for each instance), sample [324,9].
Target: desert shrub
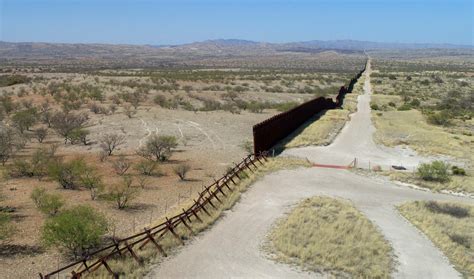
[460,239]
[441,118]
[163,102]
[6,227]
[24,119]
[40,134]
[448,209]
[129,111]
[425,82]
[8,80]
[434,171]
[146,167]
[374,106]
[392,104]
[181,170]
[37,165]
[110,142]
[67,174]
[248,146]
[10,144]
[78,135]
[92,181]
[458,171]
[64,123]
[404,107]
[255,107]
[98,109]
[211,105]
[20,168]
[285,106]
[415,103]
[76,230]
[121,165]
[124,192]
[48,204]
[158,148]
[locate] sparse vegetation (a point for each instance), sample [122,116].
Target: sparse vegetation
[330,235]
[158,148]
[77,230]
[434,171]
[123,192]
[182,170]
[68,174]
[450,226]
[47,203]
[110,142]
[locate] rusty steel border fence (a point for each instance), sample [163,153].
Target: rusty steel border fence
[272,130]
[210,197]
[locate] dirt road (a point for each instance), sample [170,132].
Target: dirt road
[355,141]
[231,248]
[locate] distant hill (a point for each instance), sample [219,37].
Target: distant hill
[186,54]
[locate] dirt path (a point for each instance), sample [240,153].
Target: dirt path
[355,141]
[231,248]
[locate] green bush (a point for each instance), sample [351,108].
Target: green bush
[123,193]
[158,148]
[68,174]
[78,135]
[48,204]
[458,171]
[434,171]
[405,106]
[442,118]
[147,167]
[36,166]
[6,227]
[415,103]
[374,106]
[24,119]
[77,229]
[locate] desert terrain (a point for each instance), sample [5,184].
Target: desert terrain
[135,132]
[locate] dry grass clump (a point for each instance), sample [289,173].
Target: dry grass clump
[320,130]
[411,128]
[324,234]
[129,267]
[456,183]
[450,226]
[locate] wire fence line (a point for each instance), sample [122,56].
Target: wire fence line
[210,197]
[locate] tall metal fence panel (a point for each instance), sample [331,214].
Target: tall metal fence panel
[269,132]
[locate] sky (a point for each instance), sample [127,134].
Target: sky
[163,22]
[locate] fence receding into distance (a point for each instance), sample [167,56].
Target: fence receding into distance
[266,135]
[272,130]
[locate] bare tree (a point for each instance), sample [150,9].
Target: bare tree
[40,134]
[110,142]
[10,143]
[181,170]
[121,165]
[124,192]
[129,111]
[65,123]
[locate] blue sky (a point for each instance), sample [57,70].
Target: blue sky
[183,21]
